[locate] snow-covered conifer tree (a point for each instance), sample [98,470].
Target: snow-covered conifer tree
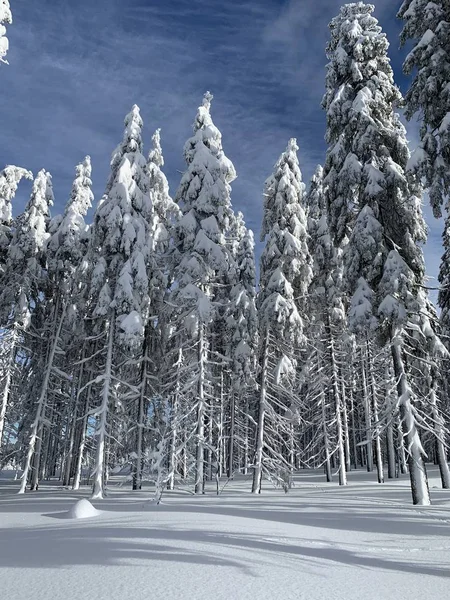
[9,181]
[5,18]
[65,249]
[285,275]
[373,200]
[23,262]
[164,213]
[23,277]
[204,260]
[10,178]
[118,296]
[427,25]
[326,327]
[242,326]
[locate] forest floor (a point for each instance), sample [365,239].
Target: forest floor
[319,542]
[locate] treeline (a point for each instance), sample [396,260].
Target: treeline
[140,339]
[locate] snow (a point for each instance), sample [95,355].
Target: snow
[82,509]
[361,542]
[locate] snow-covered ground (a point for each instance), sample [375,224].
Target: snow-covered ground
[319,542]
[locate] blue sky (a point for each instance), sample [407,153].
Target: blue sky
[76,68]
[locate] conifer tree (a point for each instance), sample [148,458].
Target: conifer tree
[164,213]
[64,251]
[5,18]
[373,200]
[24,275]
[10,178]
[427,25]
[118,298]
[285,275]
[9,181]
[326,327]
[203,262]
[242,326]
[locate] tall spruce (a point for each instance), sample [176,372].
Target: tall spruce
[10,178]
[203,262]
[242,328]
[24,273]
[285,275]
[9,181]
[118,292]
[326,329]
[373,200]
[427,26]
[64,251]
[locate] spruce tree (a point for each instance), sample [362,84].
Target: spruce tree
[242,331]
[9,181]
[118,290]
[203,259]
[164,213]
[375,202]
[326,330]
[24,274]
[5,18]
[427,25]
[10,178]
[64,251]
[285,275]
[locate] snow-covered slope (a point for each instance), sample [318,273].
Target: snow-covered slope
[319,542]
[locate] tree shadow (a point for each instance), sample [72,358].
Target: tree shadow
[94,544]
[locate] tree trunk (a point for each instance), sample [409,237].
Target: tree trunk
[200,459]
[99,473]
[367,413]
[174,433]
[338,408]
[326,441]
[82,442]
[345,425]
[439,430]
[378,452]
[417,471]
[257,469]
[41,404]
[390,451]
[7,383]
[232,434]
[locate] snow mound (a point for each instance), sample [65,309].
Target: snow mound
[82,509]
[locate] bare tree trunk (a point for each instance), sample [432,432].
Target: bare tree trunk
[174,432]
[137,475]
[41,404]
[232,433]
[378,451]
[354,445]
[99,473]
[199,464]
[439,430]
[390,451]
[326,441]
[220,430]
[257,469]
[338,408]
[417,471]
[367,413]
[345,425]
[82,443]
[246,454]
[7,383]
[73,428]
